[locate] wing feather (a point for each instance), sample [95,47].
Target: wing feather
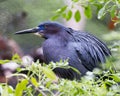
[90,50]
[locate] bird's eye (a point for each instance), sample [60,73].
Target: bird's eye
[42,27]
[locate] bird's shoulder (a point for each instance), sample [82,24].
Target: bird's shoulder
[80,36]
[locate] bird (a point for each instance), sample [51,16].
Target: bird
[83,50]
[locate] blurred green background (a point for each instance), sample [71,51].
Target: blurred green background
[21,14]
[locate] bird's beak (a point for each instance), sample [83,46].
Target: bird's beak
[32,30]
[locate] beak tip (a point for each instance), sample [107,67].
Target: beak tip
[18,32]
[32,30]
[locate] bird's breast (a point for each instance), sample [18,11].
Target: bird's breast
[54,51]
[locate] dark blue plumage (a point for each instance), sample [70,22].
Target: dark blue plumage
[83,50]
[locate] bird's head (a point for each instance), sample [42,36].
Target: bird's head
[45,30]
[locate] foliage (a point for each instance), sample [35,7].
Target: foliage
[15,58]
[43,82]
[17,15]
[103,7]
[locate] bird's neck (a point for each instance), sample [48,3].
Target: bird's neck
[58,40]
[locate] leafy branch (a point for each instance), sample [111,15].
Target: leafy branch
[103,8]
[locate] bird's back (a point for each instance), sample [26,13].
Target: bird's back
[89,49]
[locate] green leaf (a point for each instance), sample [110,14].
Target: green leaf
[88,12]
[113,10]
[34,82]
[75,70]
[101,13]
[99,6]
[55,17]
[64,15]
[20,87]
[75,0]
[4,61]
[61,10]
[49,73]
[69,15]
[15,56]
[77,16]
[115,77]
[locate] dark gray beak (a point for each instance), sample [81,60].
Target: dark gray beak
[32,30]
